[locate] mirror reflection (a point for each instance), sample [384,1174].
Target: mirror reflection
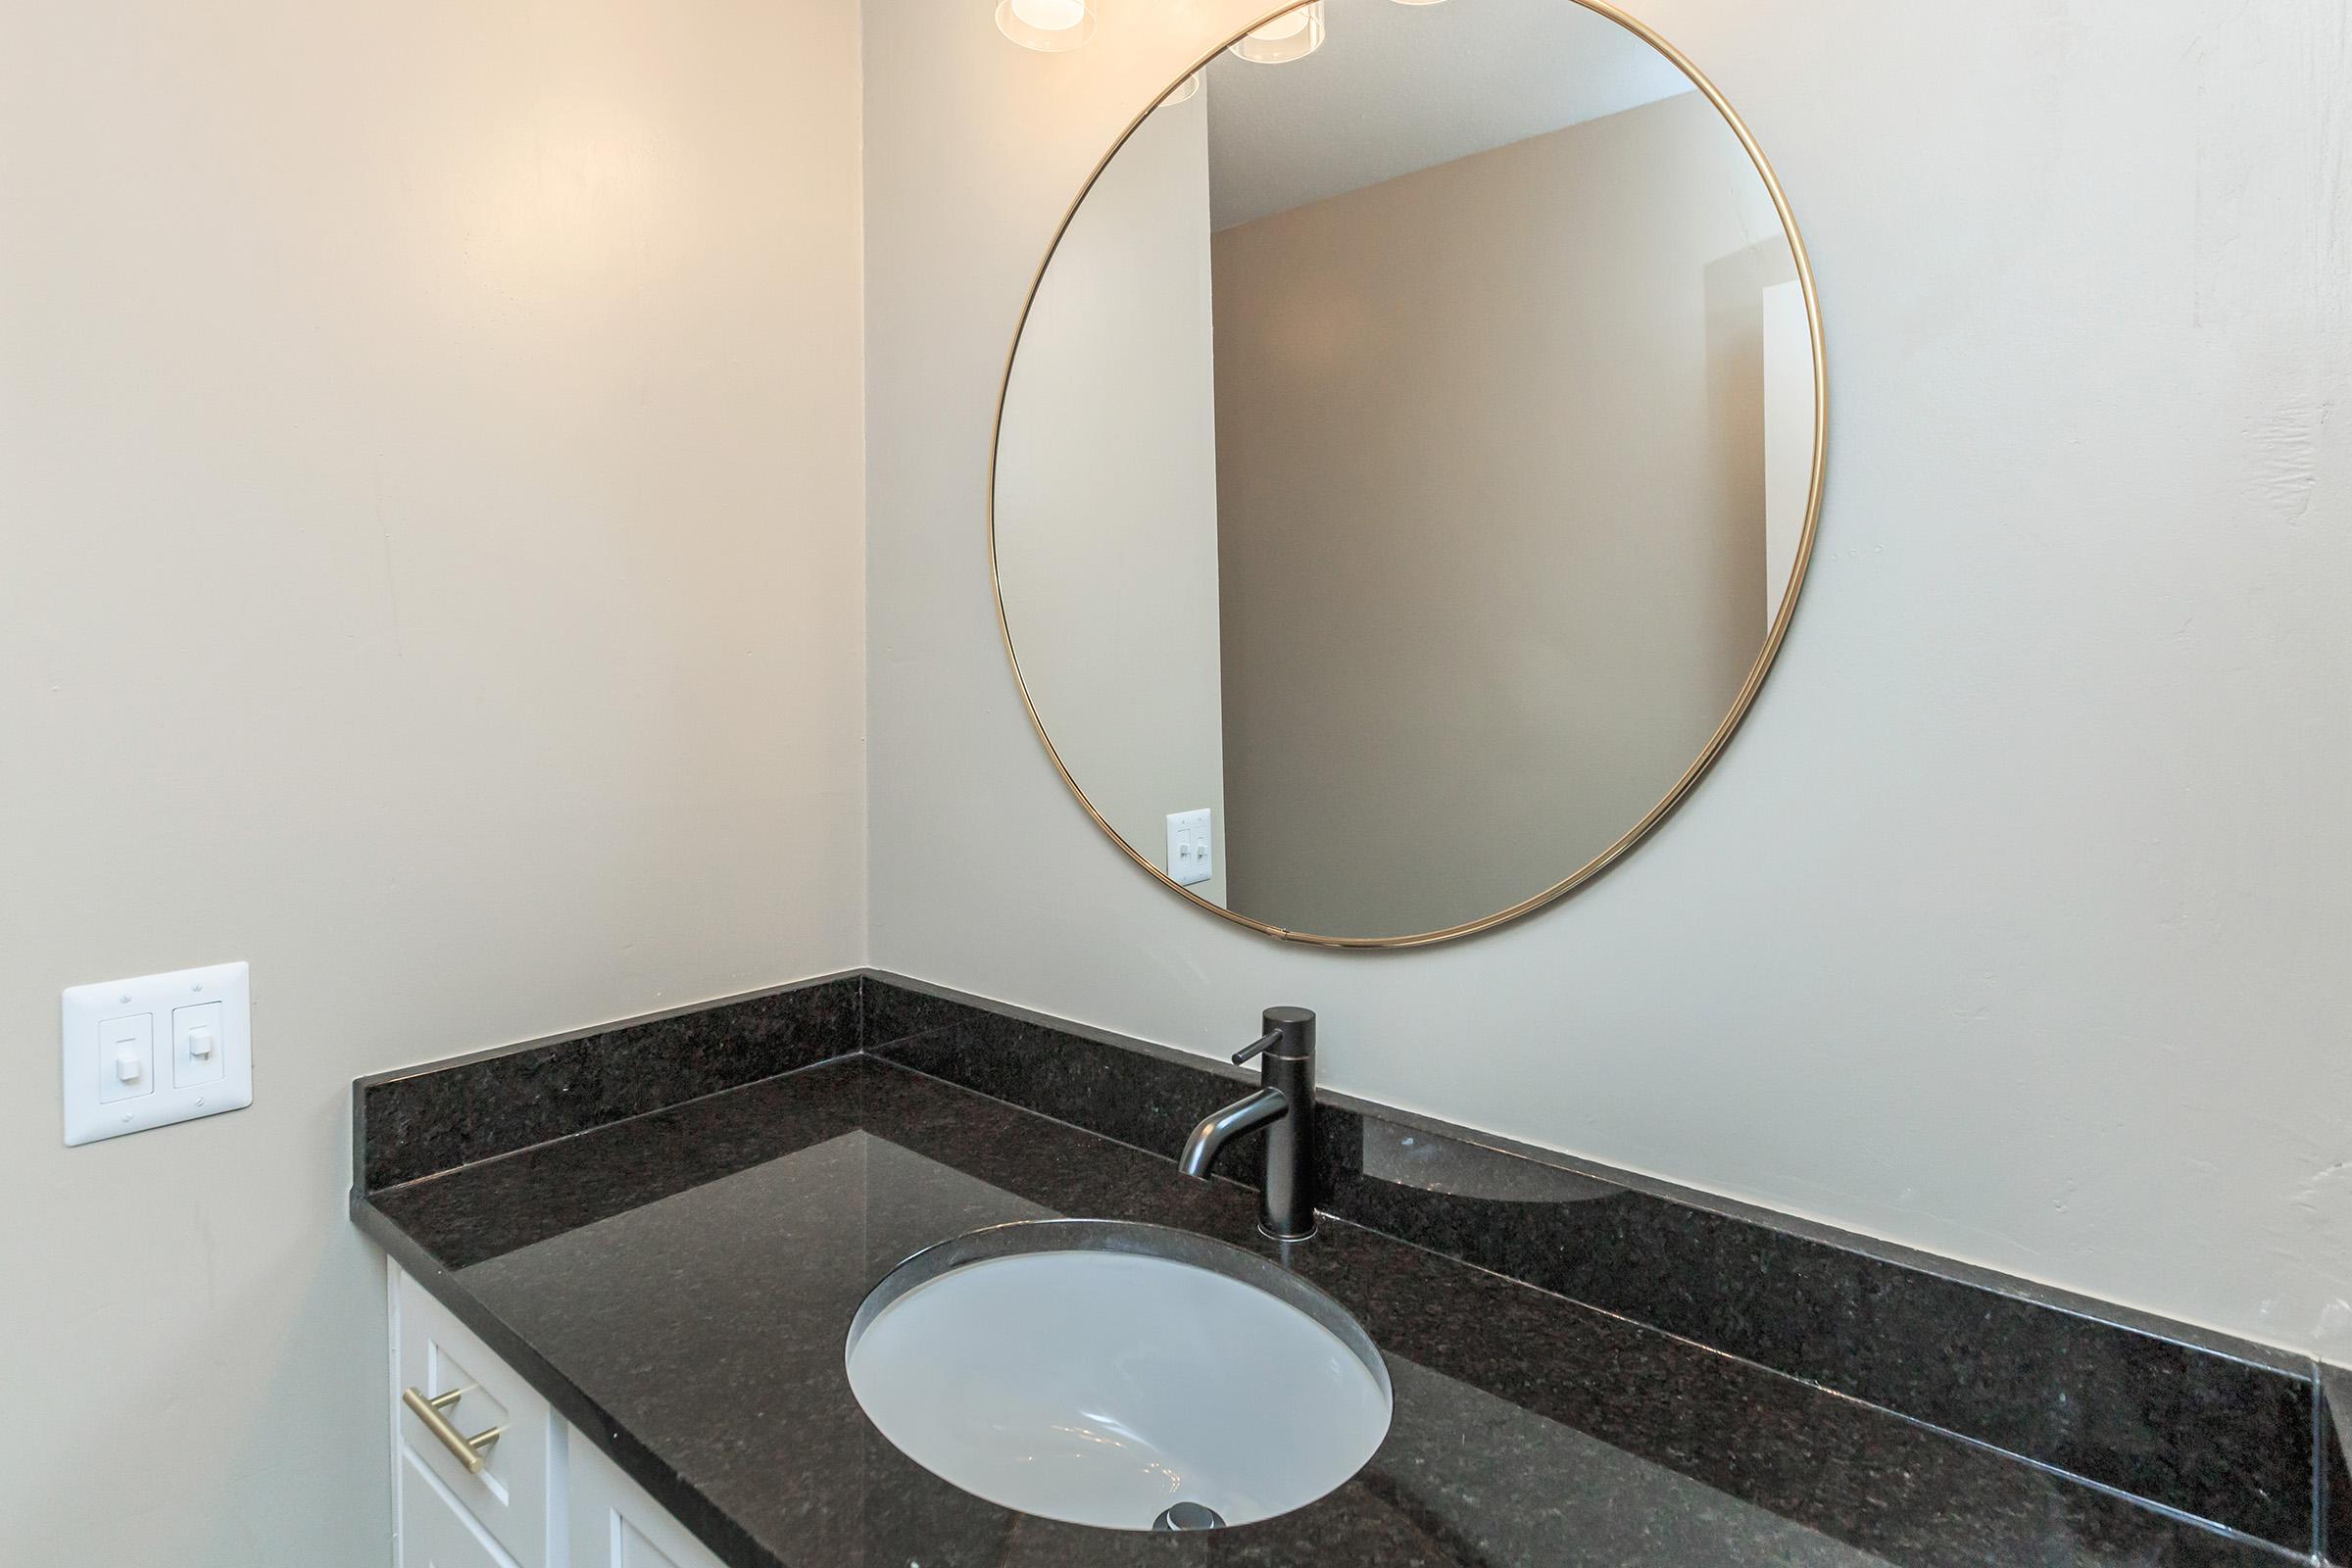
[1408,456]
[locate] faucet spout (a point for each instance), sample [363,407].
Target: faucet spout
[1209,1139]
[1285,1107]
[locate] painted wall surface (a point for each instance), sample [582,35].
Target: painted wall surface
[2013,923]
[1106,493]
[1490,513]
[429,491]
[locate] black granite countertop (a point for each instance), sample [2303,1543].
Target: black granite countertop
[680,1286]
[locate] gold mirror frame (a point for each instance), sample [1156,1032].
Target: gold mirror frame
[1741,705]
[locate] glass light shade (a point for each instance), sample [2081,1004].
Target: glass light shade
[1187,89]
[1050,25]
[1293,35]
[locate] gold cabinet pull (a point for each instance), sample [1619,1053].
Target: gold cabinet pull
[472,1452]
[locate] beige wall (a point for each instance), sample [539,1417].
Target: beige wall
[430,569]
[1106,493]
[1491,511]
[2013,924]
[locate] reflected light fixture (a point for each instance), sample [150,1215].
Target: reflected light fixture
[1188,87]
[1050,25]
[1293,35]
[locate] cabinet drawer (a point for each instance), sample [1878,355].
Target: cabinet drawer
[434,1531]
[615,1524]
[511,1495]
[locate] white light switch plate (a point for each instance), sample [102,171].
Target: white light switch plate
[1189,860]
[160,1048]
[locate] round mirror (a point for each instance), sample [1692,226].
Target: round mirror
[1409,463]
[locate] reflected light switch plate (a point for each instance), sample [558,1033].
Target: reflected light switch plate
[147,1053]
[1190,862]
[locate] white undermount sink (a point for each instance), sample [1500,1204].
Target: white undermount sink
[1127,1375]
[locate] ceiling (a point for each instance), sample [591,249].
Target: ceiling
[1400,87]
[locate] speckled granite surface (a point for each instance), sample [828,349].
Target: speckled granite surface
[679,1283]
[2335,1475]
[474,1108]
[2215,1428]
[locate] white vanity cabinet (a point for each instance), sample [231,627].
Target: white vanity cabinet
[615,1524]
[434,1531]
[449,1393]
[538,1494]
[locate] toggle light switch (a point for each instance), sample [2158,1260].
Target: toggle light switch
[196,1055]
[126,1058]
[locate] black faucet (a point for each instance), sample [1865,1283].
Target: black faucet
[1285,1107]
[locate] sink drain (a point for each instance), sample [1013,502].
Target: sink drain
[1189,1516]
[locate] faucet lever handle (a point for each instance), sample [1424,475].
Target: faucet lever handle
[1271,1037]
